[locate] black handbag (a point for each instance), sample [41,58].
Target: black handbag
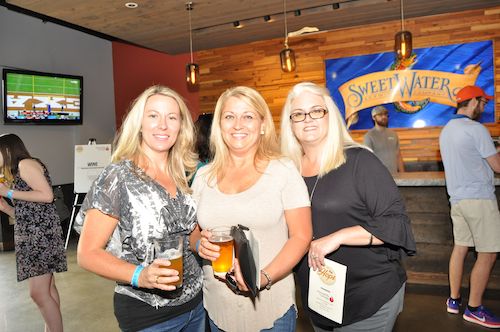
[246,251]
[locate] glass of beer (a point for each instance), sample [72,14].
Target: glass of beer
[171,248]
[222,237]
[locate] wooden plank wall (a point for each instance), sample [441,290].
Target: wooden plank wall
[257,64]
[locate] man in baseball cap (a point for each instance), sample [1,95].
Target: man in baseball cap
[470,160]
[471,91]
[383,141]
[379,110]
[471,101]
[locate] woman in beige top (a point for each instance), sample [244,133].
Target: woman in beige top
[249,183]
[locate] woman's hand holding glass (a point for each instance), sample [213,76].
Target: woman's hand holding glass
[158,275]
[211,251]
[206,249]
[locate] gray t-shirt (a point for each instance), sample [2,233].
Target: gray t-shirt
[465,144]
[145,211]
[385,145]
[261,208]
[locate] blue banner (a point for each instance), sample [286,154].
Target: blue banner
[468,60]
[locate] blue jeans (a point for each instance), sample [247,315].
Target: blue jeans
[287,323]
[191,321]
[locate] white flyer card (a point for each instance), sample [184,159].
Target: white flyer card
[326,290]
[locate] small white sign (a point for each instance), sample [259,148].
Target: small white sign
[90,160]
[326,290]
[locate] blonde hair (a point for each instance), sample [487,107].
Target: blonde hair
[181,158]
[337,140]
[268,147]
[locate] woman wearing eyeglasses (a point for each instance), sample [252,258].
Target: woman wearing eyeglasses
[359,219]
[249,183]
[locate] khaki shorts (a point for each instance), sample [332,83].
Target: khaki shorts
[476,223]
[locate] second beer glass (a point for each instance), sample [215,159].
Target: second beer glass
[222,237]
[171,248]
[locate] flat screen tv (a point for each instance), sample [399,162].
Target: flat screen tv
[31,97]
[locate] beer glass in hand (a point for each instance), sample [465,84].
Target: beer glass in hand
[221,236]
[171,248]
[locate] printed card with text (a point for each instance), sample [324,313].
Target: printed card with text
[326,290]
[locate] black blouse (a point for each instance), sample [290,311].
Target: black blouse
[361,192]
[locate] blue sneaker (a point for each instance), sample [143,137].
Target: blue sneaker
[453,306]
[483,317]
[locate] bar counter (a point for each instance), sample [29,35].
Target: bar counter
[427,205]
[419,179]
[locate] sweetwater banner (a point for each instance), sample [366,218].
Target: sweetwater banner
[418,92]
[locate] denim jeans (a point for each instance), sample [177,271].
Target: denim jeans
[287,323]
[191,321]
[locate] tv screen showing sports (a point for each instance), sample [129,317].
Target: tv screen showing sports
[31,97]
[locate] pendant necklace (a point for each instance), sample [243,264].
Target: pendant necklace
[314,188]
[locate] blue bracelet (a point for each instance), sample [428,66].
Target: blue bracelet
[135,277]
[197,246]
[10,193]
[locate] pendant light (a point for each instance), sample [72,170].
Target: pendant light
[287,55]
[192,69]
[403,39]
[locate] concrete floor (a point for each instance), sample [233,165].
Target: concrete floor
[87,304]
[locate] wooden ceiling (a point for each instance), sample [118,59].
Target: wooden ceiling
[163,25]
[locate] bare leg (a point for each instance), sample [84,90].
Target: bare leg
[54,293]
[479,276]
[40,291]
[456,269]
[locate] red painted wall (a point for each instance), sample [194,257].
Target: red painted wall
[136,68]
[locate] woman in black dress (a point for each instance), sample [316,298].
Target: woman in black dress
[37,231]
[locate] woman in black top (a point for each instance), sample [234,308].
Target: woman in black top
[359,218]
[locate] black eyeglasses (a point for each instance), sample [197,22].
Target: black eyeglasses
[315,114]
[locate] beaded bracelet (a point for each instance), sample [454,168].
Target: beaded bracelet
[135,276]
[269,281]
[10,193]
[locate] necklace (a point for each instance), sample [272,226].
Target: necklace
[314,188]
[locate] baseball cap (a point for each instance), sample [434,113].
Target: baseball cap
[379,109]
[471,91]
